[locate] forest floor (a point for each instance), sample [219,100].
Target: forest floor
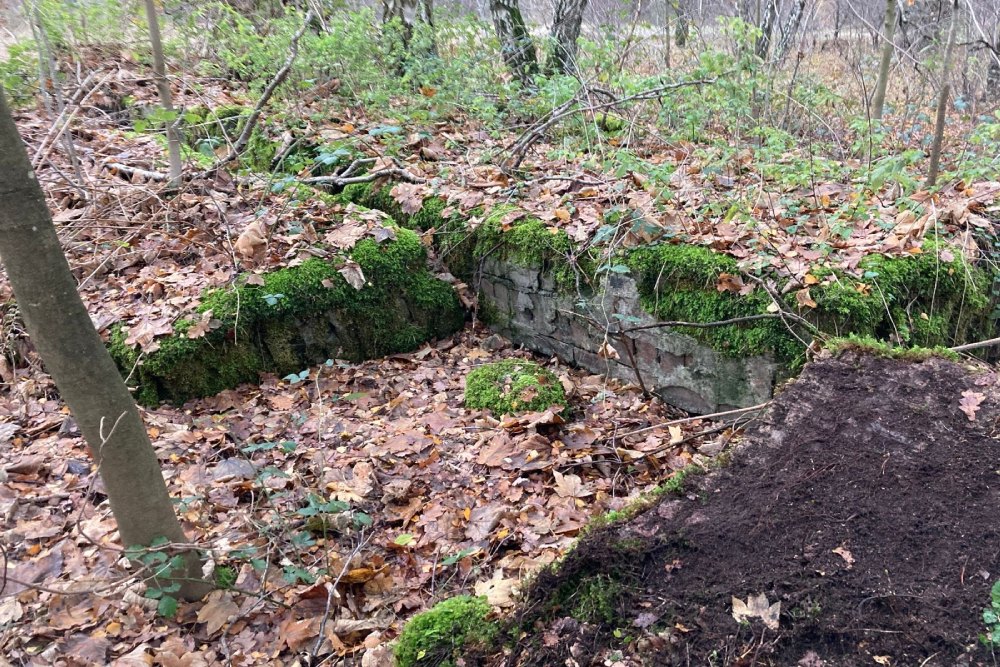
[343,505]
[853,527]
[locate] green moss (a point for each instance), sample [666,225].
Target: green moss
[674,485]
[678,283]
[437,636]
[513,386]
[918,300]
[526,241]
[593,600]
[301,315]
[880,348]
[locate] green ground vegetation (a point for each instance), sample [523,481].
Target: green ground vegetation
[437,636]
[513,386]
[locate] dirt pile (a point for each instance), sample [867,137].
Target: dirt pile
[864,503]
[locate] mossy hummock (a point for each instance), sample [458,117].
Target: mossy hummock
[512,386]
[300,316]
[437,636]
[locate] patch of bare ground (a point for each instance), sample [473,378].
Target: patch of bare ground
[864,503]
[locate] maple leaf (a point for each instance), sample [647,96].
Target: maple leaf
[346,234]
[757,606]
[409,196]
[970,403]
[570,486]
[203,325]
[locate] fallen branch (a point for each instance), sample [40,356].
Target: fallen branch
[132,172]
[685,420]
[345,178]
[976,346]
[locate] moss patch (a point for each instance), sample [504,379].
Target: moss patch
[437,636]
[918,300]
[513,386]
[300,316]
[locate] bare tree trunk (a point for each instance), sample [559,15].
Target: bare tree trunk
[683,29]
[80,365]
[163,87]
[516,46]
[993,71]
[790,27]
[888,46]
[565,32]
[766,25]
[942,105]
[667,33]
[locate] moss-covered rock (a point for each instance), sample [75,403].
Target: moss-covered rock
[300,316]
[437,636]
[512,386]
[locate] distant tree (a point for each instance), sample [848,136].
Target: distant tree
[163,88]
[407,12]
[942,105]
[75,357]
[888,46]
[516,46]
[564,35]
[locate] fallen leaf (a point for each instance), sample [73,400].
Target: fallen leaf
[352,272]
[570,486]
[217,611]
[970,403]
[757,606]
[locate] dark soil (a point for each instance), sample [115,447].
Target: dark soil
[870,457]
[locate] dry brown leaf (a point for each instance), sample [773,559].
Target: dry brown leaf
[217,611]
[352,272]
[969,404]
[251,243]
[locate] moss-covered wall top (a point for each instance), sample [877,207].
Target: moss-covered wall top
[299,316]
[922,299]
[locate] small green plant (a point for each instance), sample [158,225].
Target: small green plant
[991,617]
[512,386]
[165,569]
[436,636]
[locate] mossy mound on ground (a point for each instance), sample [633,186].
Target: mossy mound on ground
[300,316]
[512,386]
[447,629]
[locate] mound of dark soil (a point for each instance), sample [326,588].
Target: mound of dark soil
[866,503]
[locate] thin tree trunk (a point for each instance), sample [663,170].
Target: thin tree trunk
[993,71]
[516,46]
[683,30]
[888,46]
[78,362]
[163,87]
[667,33]
[565,32]
[790,27]
[766,25]
[942,105]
